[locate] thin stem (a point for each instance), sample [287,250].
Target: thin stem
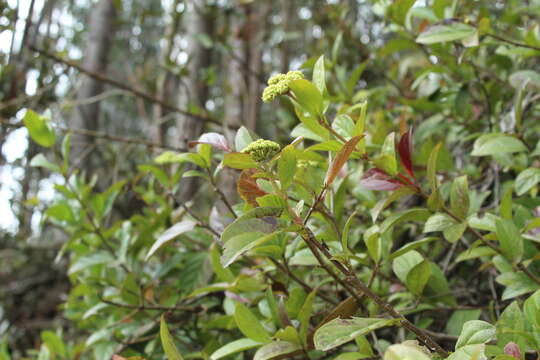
[121,85]
[151,307]
[220,193]
[351,281]
[513,42]
[284,268]
[101,135]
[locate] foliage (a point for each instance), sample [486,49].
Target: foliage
[401,221]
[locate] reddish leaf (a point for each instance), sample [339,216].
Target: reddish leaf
[340,159]
[375,179]
[405,148]
[247,187]
[216,140]
[512,349]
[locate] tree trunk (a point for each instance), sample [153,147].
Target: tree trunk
[167,82]
[257,15]
[193,91]
[101,33]
[284,55]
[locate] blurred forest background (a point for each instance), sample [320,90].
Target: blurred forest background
[131,78]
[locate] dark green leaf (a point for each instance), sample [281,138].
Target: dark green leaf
[510,239]
[249,324]
[167,341]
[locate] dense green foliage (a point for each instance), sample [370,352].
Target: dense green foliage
[398,220]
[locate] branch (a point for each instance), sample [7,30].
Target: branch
[101,135]
[513,42]
[150,307]
[352,281]
[121,85]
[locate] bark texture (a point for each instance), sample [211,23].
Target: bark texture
[86,116]
[193,91]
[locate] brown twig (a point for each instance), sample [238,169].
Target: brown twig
[101,135]
[351,281]
[285,269]
[121,85]
[513,42]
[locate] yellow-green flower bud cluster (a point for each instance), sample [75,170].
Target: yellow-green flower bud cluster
[279,84]
[262,150]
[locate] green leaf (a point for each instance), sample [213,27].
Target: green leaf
[277,349]
[336,47]
[240,244]
[39,128]
[493,144]
[344,125]
[242,139]
[304,314]
[233,348]
[505,206]
[54,343]
[469,352]
[167,341]
[171,157]
[459,318]
[438,288]
[432,168]
[405,351]
[387,160]
[443,33]
[222,273]
[454,232]
[438,222]
[61,212]
[403,264]
[528,78]
[384,203]
[307,96]
[517,284]
[345,233]
[41,161]
[418,277]
[86,261]
[531,308]
[372,239]
[510,324]
[411,246]
[399,10]
[249,324]
[361,122]
[287,166]
[66,147]
[510,239]
[459,197]
[418,214]
[319,78]
[526,180]
[158,173]
[169,234]
[239,161]
[475,332]
[250,230]
[474,253]
[340,331]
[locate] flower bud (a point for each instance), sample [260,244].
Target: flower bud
[262,150]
